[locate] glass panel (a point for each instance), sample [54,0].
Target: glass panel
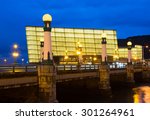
[69,30]
[30,28]
[78,30]
[59,30]
[88,31]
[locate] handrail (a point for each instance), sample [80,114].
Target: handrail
[67,67]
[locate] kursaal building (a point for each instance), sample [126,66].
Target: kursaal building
[69,44]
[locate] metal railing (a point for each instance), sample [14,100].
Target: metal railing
[33,68]
[18,68]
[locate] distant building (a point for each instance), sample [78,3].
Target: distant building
[136,54]
[65,41]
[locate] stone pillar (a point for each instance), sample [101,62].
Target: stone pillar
[46,70]
[104,73]
[145,73]
[47,83]
[104,70]
[130,73]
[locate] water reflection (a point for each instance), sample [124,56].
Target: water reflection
[142,94]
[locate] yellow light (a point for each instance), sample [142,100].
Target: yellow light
[146,46]
[95,58]
[129,43]
[116,56]
[15,46]
[78,52]
[66,57]
[80,45]
[47,18]
[15,54]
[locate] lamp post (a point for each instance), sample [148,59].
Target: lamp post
[104,52]
[15,53]
[46,70]
[130,68]
[47,19]
[66,56]
[104,71]
[79,53]
[129,45]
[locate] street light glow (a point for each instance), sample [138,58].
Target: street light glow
[15,46]
[47,18]
[66,57]
[129,43]
[15,54]
[78,52]
[95,59]
[5,60]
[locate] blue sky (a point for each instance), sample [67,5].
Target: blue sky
[128,17]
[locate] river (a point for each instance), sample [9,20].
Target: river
[73,92]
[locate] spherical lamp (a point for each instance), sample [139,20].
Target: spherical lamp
[129,43]
[47,18]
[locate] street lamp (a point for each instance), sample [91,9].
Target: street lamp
[104,52]
[47,19]
[129,45]
[79,52]
[66,56]
[5,61]
[15,46]
[15,55]
[22,60]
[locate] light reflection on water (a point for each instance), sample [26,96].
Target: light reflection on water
[141,94]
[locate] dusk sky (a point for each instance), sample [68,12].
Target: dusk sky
[127,17]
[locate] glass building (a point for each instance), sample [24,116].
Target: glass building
[136,53]
[66,43]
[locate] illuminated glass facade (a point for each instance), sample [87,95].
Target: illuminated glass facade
[136,53]
[66,39]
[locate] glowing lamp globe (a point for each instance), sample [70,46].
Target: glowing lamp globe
[129,43]
[47,18]
[104,35]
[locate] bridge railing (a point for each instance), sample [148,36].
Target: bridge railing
[18,68]
[33,68]
[76,67]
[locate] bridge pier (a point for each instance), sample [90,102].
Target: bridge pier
[145,73]
[104,83]
[130,73]
[104,70]
[47,83]
[130,68]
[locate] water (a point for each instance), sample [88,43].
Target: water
[81,92]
